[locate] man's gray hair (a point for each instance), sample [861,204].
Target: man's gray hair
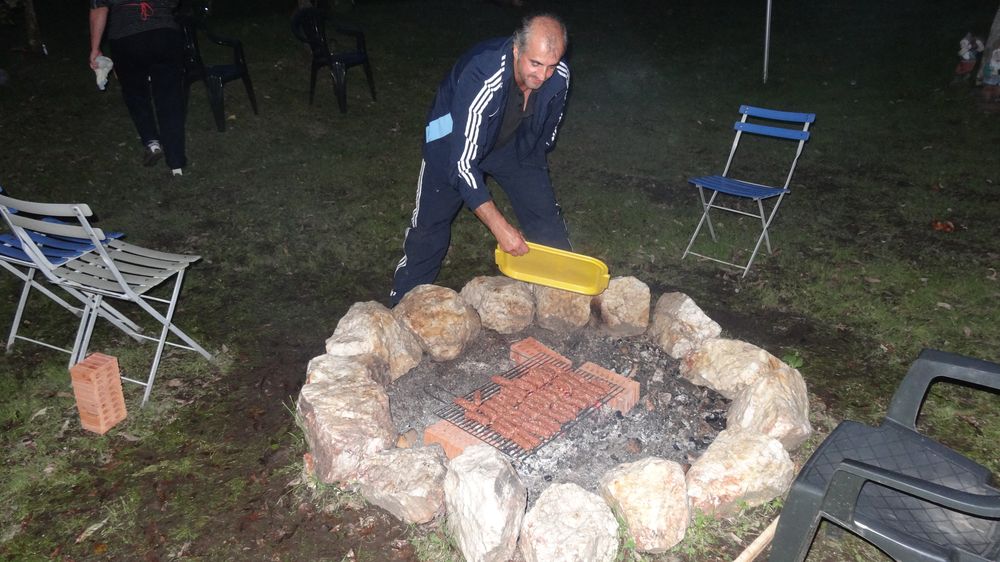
[522,33]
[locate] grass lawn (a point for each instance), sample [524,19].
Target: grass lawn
[299,212]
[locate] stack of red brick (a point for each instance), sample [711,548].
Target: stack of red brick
[97,386]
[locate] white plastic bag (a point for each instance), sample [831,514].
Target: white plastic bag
[104,66]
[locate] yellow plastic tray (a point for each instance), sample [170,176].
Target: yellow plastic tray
[557,268]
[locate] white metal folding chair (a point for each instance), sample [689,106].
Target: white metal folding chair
[15,260]
[734,190]
[112,269]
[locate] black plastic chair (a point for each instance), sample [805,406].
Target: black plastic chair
[901,491]
[214,76]
[309,26]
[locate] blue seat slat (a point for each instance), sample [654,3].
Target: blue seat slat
[14,253]
[737,187]
[10,246]
[754,128]
[776,115]
[65,251]
[74,244]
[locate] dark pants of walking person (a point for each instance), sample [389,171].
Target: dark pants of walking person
[427,239]
[150,67]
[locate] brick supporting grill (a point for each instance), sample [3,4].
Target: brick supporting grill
[625,400]
[528,348]
[526,407]
[452,438]
[97,387]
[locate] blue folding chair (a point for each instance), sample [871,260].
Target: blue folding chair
[735,191]
[59,250]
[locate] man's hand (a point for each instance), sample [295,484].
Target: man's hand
[508,238]
[512,242]
[93,58]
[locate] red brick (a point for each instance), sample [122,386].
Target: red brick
[452,438]
[624,400]
[523,350]
[97,387]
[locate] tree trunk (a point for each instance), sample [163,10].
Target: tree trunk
[33,34]
[991,44]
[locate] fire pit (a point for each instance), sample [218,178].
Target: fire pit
[677,419]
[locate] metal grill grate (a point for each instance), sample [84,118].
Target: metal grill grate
[456,414]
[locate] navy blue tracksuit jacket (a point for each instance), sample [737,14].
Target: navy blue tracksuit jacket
[460,150]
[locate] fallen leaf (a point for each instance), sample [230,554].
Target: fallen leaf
[128,437]
[175,383]
[967,331]
[38,413]
[91,530]
[406,439]
[943,226]
[873,279]
[944,305]
[62,430]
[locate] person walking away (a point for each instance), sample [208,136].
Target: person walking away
[495,113]
[147,45]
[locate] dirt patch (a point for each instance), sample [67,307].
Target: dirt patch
[268,516]
[674,419]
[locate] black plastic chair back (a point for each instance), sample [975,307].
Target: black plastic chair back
[912,497]
[214,76]
[309,27]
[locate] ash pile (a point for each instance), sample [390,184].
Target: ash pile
[673,418]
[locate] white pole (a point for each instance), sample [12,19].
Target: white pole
[767,39]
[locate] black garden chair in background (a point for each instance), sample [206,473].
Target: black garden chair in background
[214,76]
[309,26]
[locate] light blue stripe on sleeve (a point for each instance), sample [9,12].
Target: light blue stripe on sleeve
[438,128]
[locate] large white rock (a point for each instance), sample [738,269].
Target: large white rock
[651,496]
[408,483]
[369,328]
[776,405]
[442,322]
[485,500]
[624,306]
[727,366]
[569,524]
[559,310]
[504,305]
[679,326]
[739,466]
[335,367]
[344,421]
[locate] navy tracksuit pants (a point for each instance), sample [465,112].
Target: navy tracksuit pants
[427,239]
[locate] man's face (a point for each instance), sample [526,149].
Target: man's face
[536,64]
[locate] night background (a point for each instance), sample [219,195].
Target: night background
[299,212]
